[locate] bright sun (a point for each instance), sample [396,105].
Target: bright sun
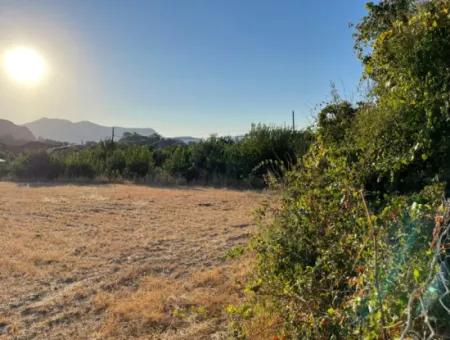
[25,65]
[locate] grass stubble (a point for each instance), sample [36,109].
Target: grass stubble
[120,261]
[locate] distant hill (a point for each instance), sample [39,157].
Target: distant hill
[67,131]
[12,134]
[156,141]
[188,139]
[27,147]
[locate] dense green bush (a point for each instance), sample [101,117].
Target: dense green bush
[38,166]
[351,243]
[116,164]
[4,166]
[281,146]
[328,266]
[4,170]
[138,162]
[334,122]
[316,243]
[405,134]
[178,163]
[77,166]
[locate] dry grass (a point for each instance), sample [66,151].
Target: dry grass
[119,261]
[172,309]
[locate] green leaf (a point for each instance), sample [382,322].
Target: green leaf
[416,274]
[331,311]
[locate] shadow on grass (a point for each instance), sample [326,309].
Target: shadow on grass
[87,183]
[198,185]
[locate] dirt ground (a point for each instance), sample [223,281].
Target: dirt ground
[119,261]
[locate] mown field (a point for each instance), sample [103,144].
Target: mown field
[120,261]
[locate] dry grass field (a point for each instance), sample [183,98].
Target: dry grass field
[119,261]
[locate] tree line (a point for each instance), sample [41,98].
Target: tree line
[245,161]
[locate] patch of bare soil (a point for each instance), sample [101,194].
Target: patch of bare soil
[119,261]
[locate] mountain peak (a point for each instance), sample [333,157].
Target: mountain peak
[11,133]
[64,130]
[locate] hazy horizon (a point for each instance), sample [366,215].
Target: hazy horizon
[181,68]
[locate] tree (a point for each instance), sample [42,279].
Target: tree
[37,165]
[116,163]
[408,62]
[335,121]
[138,161]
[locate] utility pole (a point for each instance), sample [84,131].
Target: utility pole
[112,137]
[293,120]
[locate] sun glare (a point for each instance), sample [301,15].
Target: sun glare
[25,65]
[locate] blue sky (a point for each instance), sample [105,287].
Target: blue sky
[182,67]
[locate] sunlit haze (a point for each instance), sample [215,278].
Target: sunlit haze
[180,67]
[25,65]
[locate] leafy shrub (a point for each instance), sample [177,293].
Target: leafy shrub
[404,134]
[314,245]
[327,265]
[179,163]
[116,164]
[271,149]
[352,242]
[36,166]
[78,166]
[4,170]
[335,121]
[138,161]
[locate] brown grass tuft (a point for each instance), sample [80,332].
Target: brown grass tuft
[164,307]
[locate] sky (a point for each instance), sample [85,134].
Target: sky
[182,67]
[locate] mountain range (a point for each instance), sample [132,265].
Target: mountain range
[13,134]
[61,130]
[66,131]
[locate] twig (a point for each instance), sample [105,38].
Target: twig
[416,294]
[376,265]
